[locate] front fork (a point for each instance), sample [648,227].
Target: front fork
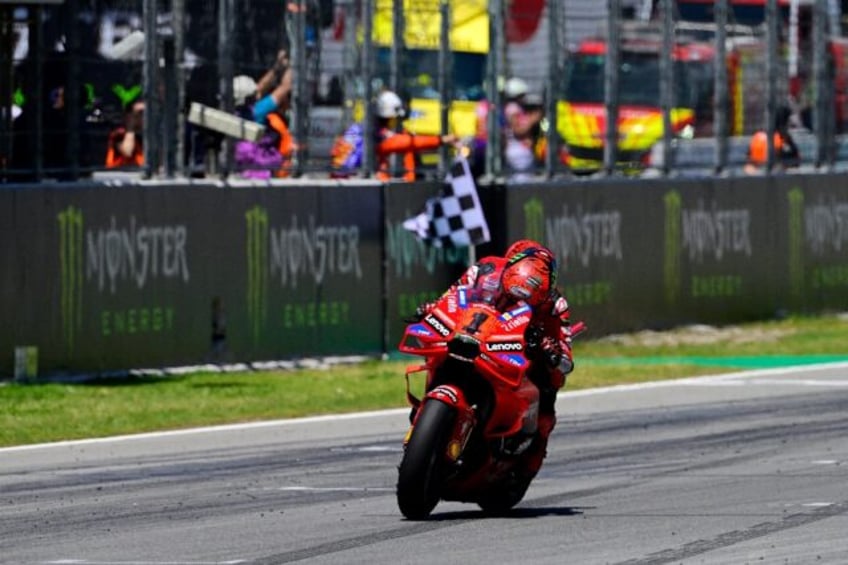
[454,397]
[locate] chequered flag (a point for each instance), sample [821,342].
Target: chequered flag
[455,217]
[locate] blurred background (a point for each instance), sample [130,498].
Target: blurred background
[689,83]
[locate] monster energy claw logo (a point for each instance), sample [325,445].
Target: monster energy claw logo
[534,220]
[796,242]
[70,269]
[671,267]
[257,274]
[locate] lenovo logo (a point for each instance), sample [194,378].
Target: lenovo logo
[506,346]
[437,325]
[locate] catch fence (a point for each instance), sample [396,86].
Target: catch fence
[688,81]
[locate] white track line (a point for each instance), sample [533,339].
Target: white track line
[722,379]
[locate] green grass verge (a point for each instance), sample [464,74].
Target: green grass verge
[42,412]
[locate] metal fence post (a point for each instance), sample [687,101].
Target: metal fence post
[667,81]
[226,26]
[296,26]
[73,100]
[367,73]
[823,89]
[445,82]
[349,60]
[396,55]
[169,106]
[7,74]
[150,80]
[556,44]
[494,75]
[611,86]
[37,44]
[720,124]
[396,49]
[771,81]
[179,77]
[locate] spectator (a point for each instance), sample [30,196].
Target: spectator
[125,142]
[273,93]
[523,115]
[389,139]
[481,133]
[255,160]
[785,150]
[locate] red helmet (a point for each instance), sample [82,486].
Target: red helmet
[531,248]
[522,245]
[527,278]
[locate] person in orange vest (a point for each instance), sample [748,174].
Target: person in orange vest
[389,140]
[786,153]
[125,147]
[348,148]
[274,99]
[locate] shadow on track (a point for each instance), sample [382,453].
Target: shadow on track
[515,513]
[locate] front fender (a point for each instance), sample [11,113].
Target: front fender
[465,420]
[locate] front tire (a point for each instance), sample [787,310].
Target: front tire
[423,465]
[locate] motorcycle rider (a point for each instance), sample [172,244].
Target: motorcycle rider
[527,272]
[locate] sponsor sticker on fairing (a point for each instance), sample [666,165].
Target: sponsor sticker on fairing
[517,322]
[507,316]
[462,294]
[452,298]
[437,325]
[446,392]
[500,346]
[420,329]
[513,359]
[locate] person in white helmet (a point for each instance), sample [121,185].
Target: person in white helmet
[389,139]
[265,102]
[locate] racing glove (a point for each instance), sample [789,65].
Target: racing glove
[557,355]
[551,351]
[420,312]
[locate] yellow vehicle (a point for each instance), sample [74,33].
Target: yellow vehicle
[469,40]
[581,112]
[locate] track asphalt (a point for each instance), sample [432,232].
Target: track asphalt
[742,362]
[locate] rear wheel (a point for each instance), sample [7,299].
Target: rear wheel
[501,498]
[423,465]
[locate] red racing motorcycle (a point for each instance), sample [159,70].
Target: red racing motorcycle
[479,413]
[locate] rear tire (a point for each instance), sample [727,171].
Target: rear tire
[423,466]
[500,499]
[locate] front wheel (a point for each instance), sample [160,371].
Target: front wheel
[423,465]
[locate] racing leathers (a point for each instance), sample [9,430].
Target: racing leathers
[549,346]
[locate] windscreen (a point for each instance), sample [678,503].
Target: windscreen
[420,70]
[639,80]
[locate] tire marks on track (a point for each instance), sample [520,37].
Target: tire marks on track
[699,547]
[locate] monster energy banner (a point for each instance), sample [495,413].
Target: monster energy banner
[102,279]
[653,254]
[99,279]
[817,240]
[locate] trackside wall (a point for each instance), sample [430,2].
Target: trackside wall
[108,278]
[654,254]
